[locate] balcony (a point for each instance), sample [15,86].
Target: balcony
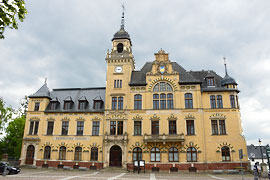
[116,138]
[164,138]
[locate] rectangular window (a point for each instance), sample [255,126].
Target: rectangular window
[65,127]
[31,127]
[80,125]
[222,128]
[97,104]
[82,105]
[95,128]
[36,106]
[162,101]
[67,105]
[137,127]
[172,127]
[114,103]
[219,101]
[232,99]
[213,101]
[50,128]
[155,127]
[112,127]
[118,83]
[53,105]
[120,103]
[156,101]
[214,127]
[119,127]
[36,127]
[190,127]
[210,81]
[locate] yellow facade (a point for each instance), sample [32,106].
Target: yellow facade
[116,147]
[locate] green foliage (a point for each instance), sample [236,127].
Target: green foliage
[5,114]
[10,11]
[14,137]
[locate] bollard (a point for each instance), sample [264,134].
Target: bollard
[5,170]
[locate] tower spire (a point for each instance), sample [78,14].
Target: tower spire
[226,73]
[123,17]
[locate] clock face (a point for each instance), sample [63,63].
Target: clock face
[118,69]
[161,69]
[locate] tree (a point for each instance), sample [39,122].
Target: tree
[5,114]
[14,137]
[10,12]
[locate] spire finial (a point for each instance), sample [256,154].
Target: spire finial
[226,73]
[45,81]
[123,17]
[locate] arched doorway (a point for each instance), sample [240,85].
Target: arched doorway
[30,154]
[116,156]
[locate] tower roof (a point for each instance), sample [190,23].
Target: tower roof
[43,92]
[122,33]
[227,79]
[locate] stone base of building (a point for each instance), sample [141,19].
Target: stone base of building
[74,165]
[194,167]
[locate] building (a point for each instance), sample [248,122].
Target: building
[257,154]
[162,114]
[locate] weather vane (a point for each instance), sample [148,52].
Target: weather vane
[123,17]
[225,65]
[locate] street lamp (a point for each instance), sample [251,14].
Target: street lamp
[260,142]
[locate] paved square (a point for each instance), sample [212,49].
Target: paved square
[51,174]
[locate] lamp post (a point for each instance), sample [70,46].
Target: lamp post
[260,142]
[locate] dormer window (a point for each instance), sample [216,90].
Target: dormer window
[210,81]
[82,105]
[98,104]
[67,105]
[53,105]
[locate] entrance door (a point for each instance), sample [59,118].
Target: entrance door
[30,154]
[115,156]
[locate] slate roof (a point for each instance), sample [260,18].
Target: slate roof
[76,94]
[138,78]
[121,34]
[42,92]
[254,152]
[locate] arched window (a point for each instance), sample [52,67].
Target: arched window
[138,101]
[219,101]
[47,152]
[94,154]
[78,154]
[155,101]
[155,154]
[213,101]
[137,154]
[188,101]
[163,100]
[162,86]
[62,153]
[225,152]
[191,154]
[170,101]
[120,47]
[173,154]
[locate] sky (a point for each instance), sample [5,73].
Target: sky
[66,42]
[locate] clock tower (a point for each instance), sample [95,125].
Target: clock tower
[120,64]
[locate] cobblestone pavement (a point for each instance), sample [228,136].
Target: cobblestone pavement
[50,174]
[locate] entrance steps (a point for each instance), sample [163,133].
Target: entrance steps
[114,169]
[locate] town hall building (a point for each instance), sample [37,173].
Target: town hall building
[163,114]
